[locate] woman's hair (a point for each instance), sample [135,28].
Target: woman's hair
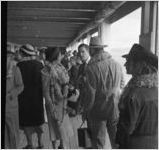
[52,53]
[23,54]
[142,67]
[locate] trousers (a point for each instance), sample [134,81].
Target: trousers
[103,133]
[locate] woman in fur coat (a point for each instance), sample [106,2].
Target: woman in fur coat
[138,122]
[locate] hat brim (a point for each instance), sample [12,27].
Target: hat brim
[27,52]
[125,56]
[98,46]
[10,52]
[42,50]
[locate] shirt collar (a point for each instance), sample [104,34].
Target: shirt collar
[88,59]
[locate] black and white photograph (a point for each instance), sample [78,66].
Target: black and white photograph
[79,74]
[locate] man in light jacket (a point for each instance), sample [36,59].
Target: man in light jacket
[104,78]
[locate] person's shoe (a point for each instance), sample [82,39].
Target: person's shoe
[60,147]
[40,147]
[28,147]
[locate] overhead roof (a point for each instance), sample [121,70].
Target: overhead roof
[50,23]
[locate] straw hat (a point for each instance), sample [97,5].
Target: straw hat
[28,49]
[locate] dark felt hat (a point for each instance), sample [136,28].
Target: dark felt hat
[139,53]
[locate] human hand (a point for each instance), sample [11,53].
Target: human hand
[77,92]
[65,91]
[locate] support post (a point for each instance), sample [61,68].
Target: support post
[149,26]
[104,32]
[88,38]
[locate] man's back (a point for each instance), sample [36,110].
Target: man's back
[104,75]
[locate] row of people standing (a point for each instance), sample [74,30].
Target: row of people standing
[99,80]
[29,101]
[132,117]
[103,81]
[40,78]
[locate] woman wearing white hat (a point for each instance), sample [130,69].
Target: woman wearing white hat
[31,111]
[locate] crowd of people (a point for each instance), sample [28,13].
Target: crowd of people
[86,87]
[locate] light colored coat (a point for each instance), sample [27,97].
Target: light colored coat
[104,78]
[14,86]
[54,79]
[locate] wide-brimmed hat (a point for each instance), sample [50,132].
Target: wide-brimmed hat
[28,49]
[96,42]
[139,53]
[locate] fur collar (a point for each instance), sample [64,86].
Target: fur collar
[148,81]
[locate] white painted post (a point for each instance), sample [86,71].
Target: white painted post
[88,38]
[105,34]
[149,26]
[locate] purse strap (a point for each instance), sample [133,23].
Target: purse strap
[82,124]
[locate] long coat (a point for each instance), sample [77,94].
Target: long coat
[103,82]
[14,86]
[138,121]
[55,78]
[104,76]
[31,111]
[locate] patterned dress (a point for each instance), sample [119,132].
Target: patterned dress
[55,79]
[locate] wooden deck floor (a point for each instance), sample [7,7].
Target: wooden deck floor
[76,122]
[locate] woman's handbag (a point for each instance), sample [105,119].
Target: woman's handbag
[84,137]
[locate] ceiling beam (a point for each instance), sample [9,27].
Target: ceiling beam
[39,43]
[24,28]
[74,5]
[124,10]
[33,37]
[42,24]
[41,27]
[48,19]
[48,13]
[109,8]
[51,9]
[51,17]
